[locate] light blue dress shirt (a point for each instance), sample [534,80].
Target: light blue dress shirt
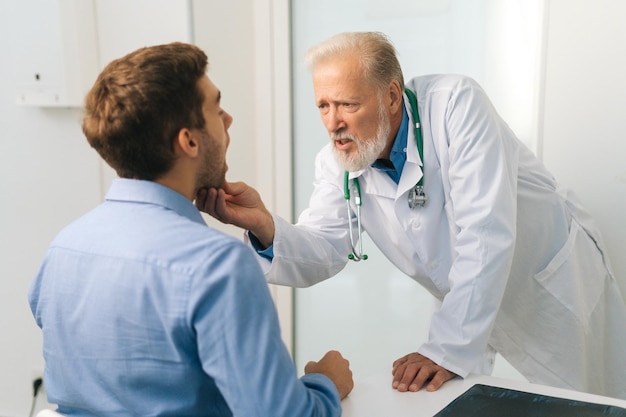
[147,311]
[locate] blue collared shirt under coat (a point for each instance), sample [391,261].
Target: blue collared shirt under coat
[147,311]
[397,156]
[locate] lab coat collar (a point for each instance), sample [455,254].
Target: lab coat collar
[356,174]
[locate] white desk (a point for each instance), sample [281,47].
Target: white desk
[374,397]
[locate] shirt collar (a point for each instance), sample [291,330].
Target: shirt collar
[149,192]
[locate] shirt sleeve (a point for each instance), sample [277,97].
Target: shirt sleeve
[240,347]
[267,253]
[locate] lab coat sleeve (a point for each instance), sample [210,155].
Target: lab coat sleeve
[316,247]
[482,178]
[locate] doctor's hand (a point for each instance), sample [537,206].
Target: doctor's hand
[239,204]
[334,366]
[412,371]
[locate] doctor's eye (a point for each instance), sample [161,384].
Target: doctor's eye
[350,106]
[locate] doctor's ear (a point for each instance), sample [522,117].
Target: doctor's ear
[394,92]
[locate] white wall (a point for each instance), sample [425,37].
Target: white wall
[48,176]
[48,173]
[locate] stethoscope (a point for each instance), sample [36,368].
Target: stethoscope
[417,198]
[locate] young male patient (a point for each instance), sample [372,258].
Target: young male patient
[144,309]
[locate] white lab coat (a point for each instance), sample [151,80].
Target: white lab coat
[516,261]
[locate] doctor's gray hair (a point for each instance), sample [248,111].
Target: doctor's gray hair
[377,55]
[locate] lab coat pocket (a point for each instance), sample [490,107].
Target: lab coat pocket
[575,276]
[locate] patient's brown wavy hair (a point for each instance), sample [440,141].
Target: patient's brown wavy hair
[138,105]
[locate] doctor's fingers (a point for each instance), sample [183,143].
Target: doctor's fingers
[221,209]
[206,201]
[201,198]
[411,376]
[438,380]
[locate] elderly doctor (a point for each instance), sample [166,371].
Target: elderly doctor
[459,204]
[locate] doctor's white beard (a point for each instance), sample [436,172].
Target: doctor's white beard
[368,150]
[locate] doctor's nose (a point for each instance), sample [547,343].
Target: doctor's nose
[333,120]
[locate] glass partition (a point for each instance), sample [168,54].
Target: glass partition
[371,312]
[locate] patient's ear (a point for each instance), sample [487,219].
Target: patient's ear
[187,143]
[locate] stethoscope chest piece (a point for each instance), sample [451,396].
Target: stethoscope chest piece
[417,198]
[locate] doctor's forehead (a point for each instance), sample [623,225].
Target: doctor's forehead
[339,90]
[340,79]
